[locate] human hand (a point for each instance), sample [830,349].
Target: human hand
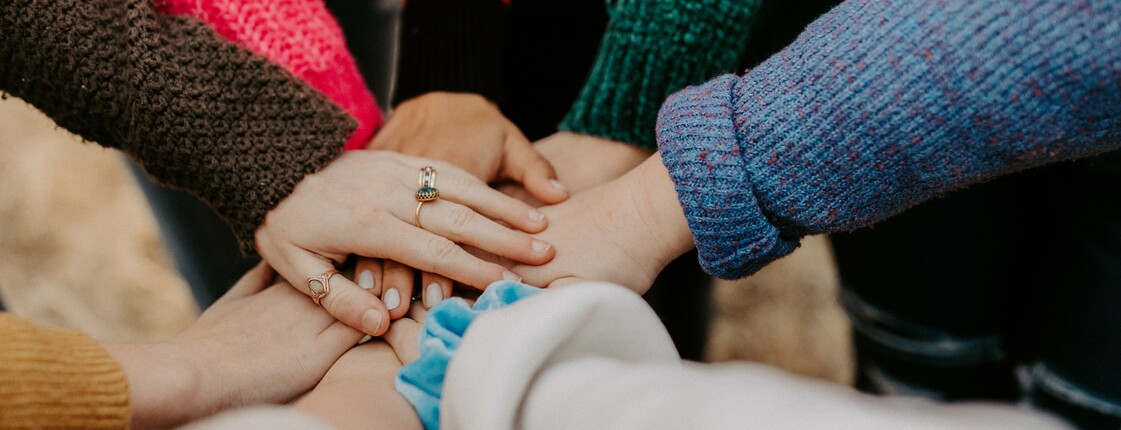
[582,161]
[469,132]
[253,345]
[359,392]
[624,231]
[360,388]
[363,203]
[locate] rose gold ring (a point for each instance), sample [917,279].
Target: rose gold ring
[416,216]
[320,286]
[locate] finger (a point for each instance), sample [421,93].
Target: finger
[253,281]
[345,300]
[402,336]
[340,334]
[436,288]
[428,252]
[463,225]
[398,280]
[368,275]
[524,165]
[418,314]
[461,188]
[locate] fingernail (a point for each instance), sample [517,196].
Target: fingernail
[536,215]
[371,322]
[392,298]
[539,246]
[433,294]
[556,184]
[366,280]
[510,276]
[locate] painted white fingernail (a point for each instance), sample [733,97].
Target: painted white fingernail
[371,322]
[366,280]
[392,298]
[558,185]
[433,294]
[536,215]
[510,276]
[539,246]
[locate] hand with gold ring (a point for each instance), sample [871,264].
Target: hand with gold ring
[364,203]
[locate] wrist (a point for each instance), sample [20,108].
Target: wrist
[163,386]
[654,195]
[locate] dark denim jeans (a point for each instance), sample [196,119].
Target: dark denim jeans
[1010,290]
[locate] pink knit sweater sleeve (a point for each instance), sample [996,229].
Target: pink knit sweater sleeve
[302,37]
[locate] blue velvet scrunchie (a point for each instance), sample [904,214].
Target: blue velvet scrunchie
[422,381]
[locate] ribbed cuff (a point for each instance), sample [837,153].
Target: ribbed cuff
[650,50]
[453,46]
[697,140]
[53,378]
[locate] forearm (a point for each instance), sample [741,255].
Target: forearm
[161,386]
[879,106]
[666,229]
[194,110]
[649,50]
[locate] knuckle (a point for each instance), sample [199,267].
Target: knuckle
[459,183]
[460,218]
[441,250]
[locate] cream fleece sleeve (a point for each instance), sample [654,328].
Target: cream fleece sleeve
[594,355]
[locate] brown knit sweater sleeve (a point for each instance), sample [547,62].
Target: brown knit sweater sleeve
[197,112]
[53,378]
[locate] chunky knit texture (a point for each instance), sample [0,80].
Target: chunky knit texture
[651,49]
[52,378]
[198,112]
[880,105]
[302,37]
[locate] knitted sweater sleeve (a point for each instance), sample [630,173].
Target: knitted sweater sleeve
[650,49]
[52,378]
[196,111]
[451,45]
[302,37]
[880,105]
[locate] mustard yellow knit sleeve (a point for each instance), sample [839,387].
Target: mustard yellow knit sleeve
[53,378]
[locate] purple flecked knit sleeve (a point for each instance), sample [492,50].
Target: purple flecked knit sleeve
[880,105]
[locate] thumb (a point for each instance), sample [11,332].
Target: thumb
[524,165]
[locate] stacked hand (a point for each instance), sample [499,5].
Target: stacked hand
[365,204]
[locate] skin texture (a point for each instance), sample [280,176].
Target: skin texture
[359,389]
[583,161]
[467,131]
[624,231]
[363,203]
[214,365]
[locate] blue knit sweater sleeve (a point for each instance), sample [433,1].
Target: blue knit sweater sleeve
[880,105]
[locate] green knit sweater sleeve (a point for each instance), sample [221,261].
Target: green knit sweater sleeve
[651,49]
